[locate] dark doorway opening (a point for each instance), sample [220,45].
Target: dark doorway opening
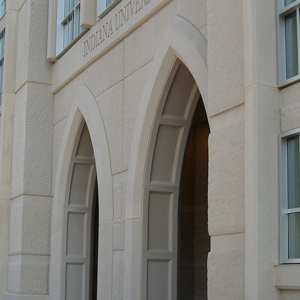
[193,238]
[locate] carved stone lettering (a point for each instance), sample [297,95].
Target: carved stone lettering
[113,24]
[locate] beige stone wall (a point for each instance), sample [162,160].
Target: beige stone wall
[290,107]
[290,295]
[241,90]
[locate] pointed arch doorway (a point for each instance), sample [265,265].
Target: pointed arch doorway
[84,132]
[80,247]
[175,232]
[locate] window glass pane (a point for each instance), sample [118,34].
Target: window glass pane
[68,31]
[287,2]
[2,7]
[294,235]
[70,34]
[77,21]
[71,22]
[109,2]
[291,47]
[293,172]
[1,45]
[67,7]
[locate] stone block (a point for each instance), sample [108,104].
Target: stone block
[22,45]
[118,275]
[15,239]
[13,5]
[65,97]
[122,235]
[21,3]
[287,276]
[117,186]
[124,194]
[97,79]
[132,263]
[290,116]
[260,42]
[6,128]
[227,242]
[225,55]
[25,297]
[28,278]
[111,108]
[140,47]
[32,64]
[14,280]
[38,162]
[39,69]
[58,133]
[203,31]
[105,260]
[226,188]
[117,237]
[133,90]
[32,155]
[18,152]
[195,12]
[4,241]
[30,225]
[226,275]
[290,94]
[290,295]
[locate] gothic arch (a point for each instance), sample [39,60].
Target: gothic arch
[184,42]
[85,108]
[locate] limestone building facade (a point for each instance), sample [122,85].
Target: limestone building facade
[149,149]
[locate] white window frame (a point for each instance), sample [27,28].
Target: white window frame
[61,19]
[2,44]
[283,11]
[2,8]
[284,209]
[103,8]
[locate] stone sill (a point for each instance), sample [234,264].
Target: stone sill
[9,296]
[287,277]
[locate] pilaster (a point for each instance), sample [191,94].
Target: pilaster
[30,207]
[262,125]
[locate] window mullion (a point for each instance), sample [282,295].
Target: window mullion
[293,210]
[298,38]
[289,8]
[298,176]
[74,23]
[67,17]
[66,7]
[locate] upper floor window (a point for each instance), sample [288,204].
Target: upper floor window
[290,195]
[74,17]
[71,21]
[289,50]
[68,23]
[2,8]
